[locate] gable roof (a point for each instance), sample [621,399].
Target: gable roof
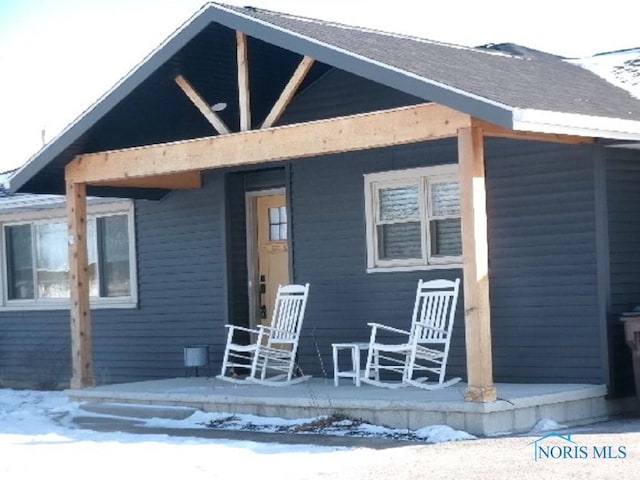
[495,86]
[523,92]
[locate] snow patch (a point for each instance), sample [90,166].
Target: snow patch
[547,425]
[42,412]
[442,433]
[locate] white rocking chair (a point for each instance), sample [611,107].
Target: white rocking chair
[270,359]
[424,348]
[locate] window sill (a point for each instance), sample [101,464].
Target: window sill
[414,268]
[102,304]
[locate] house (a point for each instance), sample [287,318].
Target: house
[255,147]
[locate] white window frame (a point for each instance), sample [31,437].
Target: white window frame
[52,215]
[423,177]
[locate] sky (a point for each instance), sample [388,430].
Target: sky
[57,57]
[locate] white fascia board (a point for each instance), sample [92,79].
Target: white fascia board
[629,146]
[545,121]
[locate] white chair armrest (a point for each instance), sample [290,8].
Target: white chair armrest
[388,328]
[244,329]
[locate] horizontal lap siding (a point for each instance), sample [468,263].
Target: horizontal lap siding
[330,253]
[237,253]
[542,245]
[181,292]
[35,348]
[327,207]
[544,277]
[623,190]
[180,265]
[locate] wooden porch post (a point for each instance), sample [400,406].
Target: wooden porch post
[477,313]
[81,349]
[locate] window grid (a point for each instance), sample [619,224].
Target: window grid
[277,224]
[39,291]
[439,218]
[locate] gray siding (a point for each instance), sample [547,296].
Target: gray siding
[35,349]
[329,252]
[238,184]
[340,93]
[187,288]
[327,213]
[623,188]
[192,261]
[544,275]
[237,251]
[181,295]
[181,291]
[544,298]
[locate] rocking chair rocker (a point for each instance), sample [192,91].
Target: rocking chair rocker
[424,348]
[270,358]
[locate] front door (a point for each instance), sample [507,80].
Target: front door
[272,265]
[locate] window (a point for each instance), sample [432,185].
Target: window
[413,219]
[37,266]
[277,224]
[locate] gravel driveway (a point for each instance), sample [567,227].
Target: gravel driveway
[505,458]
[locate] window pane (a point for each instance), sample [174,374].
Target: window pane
[399,241]
[274,215]
[446,237]
[399,203]
[52,268]
[115,271]
[274,232]
[19,262]
[277,223]
[445,199]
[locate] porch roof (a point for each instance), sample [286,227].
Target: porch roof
[537,93]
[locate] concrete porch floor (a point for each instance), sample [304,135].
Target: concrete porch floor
[518,408]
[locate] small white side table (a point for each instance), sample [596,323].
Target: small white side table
[354,373]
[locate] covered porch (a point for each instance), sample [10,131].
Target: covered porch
[181,165]
[518,409]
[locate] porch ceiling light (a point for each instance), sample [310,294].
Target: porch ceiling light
[218,107]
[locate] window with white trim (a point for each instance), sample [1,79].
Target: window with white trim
[36,265]
[413,219]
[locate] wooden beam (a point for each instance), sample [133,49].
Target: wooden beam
[475,250]
[172,181]
[81,349]
[492,130]
[343,134]
[202,105]
[288,92]
[243,82]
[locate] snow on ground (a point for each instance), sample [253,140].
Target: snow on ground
[39,440]
[333,425]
